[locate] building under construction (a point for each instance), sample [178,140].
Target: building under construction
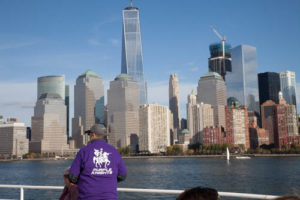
[218,62]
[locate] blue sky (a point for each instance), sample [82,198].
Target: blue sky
[39,38]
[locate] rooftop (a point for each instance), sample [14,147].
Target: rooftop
[89,73]
[211,74]
[123,77]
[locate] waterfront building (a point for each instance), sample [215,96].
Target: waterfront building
[123,100]
[67,103]
[216,62]
[258,136]
[199,116]
[48,125]
[1,119]
[269,87]
[214,135]
[291,120]
[132,56]
[237,125]
[241,82]
[13,141]
[212,90]
[274,120]
[174,103]
[156,123]
[55,85]
[288,86]
[88,106]
[184,137]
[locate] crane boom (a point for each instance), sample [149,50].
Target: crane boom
[217,33]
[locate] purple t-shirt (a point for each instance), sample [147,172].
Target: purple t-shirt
[98,165]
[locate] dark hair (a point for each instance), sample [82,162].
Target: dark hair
[199,193]
[288,198]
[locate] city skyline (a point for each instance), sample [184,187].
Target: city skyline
[32,47]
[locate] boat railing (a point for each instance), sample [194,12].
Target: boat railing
[140,190]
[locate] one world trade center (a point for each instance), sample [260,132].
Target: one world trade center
[132,56]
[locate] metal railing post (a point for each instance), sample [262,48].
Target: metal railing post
[21,193]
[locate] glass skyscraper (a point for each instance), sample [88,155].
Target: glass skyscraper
[132,57]
[241,82]
[269,87]
[288,86]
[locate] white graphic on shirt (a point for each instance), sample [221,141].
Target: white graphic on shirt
[101,162]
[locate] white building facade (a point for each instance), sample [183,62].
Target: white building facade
[156,124]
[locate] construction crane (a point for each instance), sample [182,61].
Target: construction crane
[221,38]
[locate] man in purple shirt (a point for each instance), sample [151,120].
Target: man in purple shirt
[97,168]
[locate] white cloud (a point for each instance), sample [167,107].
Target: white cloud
[94,42]
[114,42]
[195,69]
[17,100]
[16,45]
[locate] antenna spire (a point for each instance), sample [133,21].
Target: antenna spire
[130,3]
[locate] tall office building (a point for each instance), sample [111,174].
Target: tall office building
[241,82]
[216,62]
[13,139]
[132,56]
[123,99]
[88,105]
[212,90]
[48,133]
[288,86]
[155,128]
[55,85]
[174,103]
[269,87]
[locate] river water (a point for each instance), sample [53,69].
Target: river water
[260,175]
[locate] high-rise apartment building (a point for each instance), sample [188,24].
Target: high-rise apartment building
[48,125]
[13,141]
[132,56]
[123,100]
[212,90]
[174,103]
[200,115]
[55,85]
[156,123]
[237,125]
[269,87]
[241,82]
[88,106]
[280,121]
[216,62]
[288,86]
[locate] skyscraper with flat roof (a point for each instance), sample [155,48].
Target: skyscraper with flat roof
[288,86]
[132,56]
[123,99]
[269,87]
[241,82]
[88,105]
[212,90]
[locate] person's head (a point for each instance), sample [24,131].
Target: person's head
[66,177]
[288,198]
[199,193]
[98,131]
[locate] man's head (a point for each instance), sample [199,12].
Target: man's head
[98,131]
[199,193]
